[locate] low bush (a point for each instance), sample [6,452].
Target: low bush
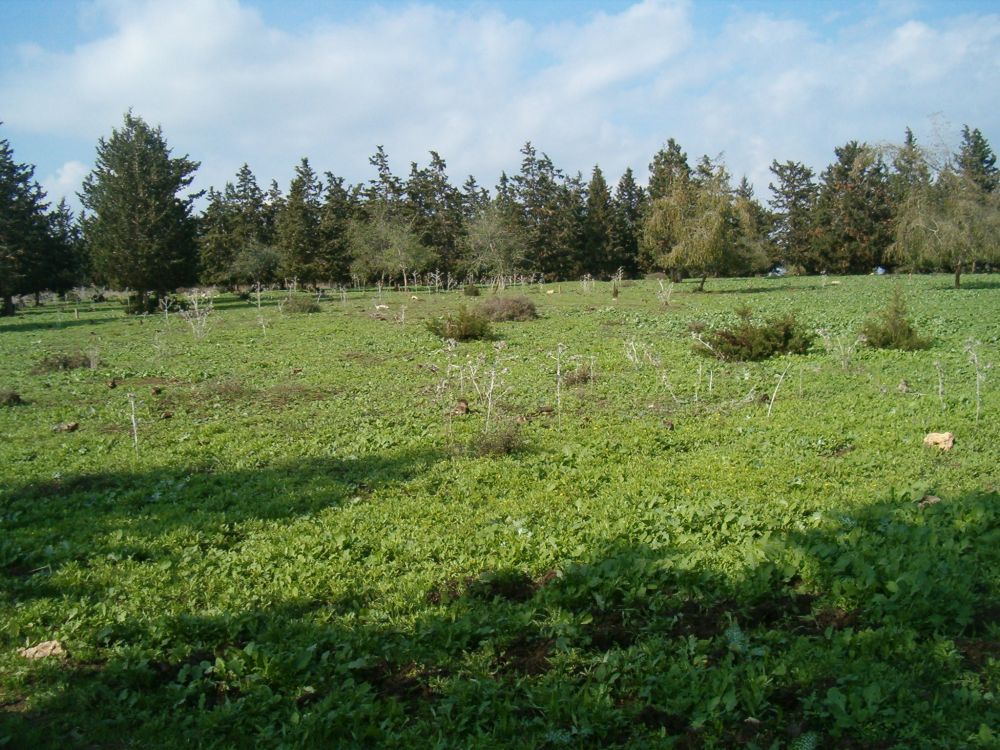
[10,398]
[471,290]
[61,361]
[301,304]
[891,328]
[750,342]
[501,442]
[464,325]
[500,309]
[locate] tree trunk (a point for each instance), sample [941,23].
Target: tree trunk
[38,299]
[701,286]
[958,275]
[7,308]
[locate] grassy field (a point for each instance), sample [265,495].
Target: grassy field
[285,533]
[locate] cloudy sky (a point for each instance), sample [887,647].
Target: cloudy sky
[269,81]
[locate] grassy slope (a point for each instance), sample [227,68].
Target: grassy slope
[302,553]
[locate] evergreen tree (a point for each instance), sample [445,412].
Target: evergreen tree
[22,228]
[335,218]
[793,203]
[217,242]
[297,236]
[435,210]
[627,207]
[853,219]
[66,262]
[910,168]
[249,209]
[385,188]
[474,198]
[976,160]
[600,254]
[669,165]
[140,231]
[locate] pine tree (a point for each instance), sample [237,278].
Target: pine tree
[669,165]
[23,233]
[474,198]
[600,253]
[976,160]
[853,218]
[140,231]
[435,209]
[793,203]
[627,207]
[66,259]
[297,236]
[217,243]
[335,218]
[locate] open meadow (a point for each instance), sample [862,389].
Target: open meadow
[286,529]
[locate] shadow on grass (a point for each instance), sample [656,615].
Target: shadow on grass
[870,630]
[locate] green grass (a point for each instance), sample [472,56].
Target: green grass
[304,549]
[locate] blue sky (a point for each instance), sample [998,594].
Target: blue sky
[267,82]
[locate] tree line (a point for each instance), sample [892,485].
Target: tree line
[893,206]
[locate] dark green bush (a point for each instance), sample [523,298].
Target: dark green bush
[891,328]
[501,442]
[749,342]
[500,309]
[61,361]
[465,325]
[10,398]
[301,304]
[471,290]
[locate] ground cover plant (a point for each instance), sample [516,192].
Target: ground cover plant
[292,532]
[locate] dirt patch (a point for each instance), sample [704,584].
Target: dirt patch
[527,654]
[614,629]
[976,654]
[656,718]
[407,682]
[836,618]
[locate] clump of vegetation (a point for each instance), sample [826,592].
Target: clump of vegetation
[471,290]
[891,328]
[10,398]
[464,325]
[61,361]
[300,304]
[582,375]
[501,442]
[751,342]
[501,309]
[138,304]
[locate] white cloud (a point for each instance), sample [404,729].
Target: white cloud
[65,182]
[474,84]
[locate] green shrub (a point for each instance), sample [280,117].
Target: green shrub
[301,304]
[891,328]
[748,342]
[471,290]
[501,442]
[62,361]
[500,309]
[10,398]
[465,325]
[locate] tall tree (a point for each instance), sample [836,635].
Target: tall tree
[669,165]
[627,208]
[696,228]
[853,218]
[66,261]
[334,223]
[600,254]
[22,227]
[976,160]
[139,229]
[949,223]
[435,209]
[297,236]
[493,243]
[793,202]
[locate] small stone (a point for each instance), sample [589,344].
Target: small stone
[66,427]
[43,650]
[943,440]
[928,500]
